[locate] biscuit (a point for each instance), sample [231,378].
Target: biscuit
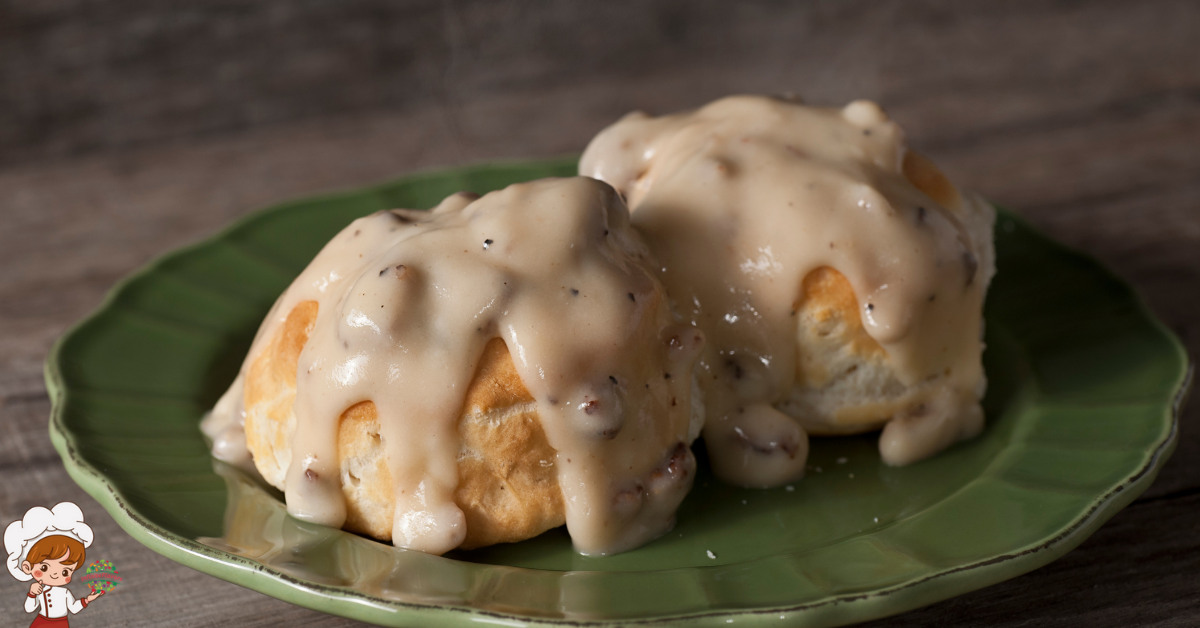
[508,487]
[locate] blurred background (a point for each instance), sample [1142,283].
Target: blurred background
[129,127]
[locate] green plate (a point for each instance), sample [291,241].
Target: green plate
[1085,389]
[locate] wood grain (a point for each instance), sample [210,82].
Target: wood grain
[130,127]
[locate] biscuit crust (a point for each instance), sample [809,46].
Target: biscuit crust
[508,485]
[844,384]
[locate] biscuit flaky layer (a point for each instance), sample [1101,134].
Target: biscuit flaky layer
[844,384]
[508,485]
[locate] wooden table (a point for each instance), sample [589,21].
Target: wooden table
[130,128]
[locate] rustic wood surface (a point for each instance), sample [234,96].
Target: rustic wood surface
[130,127]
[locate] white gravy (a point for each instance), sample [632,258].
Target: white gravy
[739,201]
[407,302]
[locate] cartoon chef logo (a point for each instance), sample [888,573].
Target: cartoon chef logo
[48,547]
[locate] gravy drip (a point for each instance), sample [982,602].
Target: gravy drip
[740,200]
[407,302]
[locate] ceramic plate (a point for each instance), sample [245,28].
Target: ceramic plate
[1084,389]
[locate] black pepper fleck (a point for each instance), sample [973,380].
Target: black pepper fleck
[666,376]
[737,369]
[632,298]
[870,307]
[487,243]
[612,379]
[574,292]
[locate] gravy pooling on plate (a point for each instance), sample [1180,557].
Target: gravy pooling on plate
[744,200]
[406,303]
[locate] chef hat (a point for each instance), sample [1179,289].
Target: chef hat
[65,519]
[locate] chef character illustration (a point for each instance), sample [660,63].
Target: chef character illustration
[47,546]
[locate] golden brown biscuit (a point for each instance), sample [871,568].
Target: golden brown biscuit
[844,384]
[769,218]
[928,178]
[508,487]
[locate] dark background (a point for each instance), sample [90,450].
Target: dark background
[129,127]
